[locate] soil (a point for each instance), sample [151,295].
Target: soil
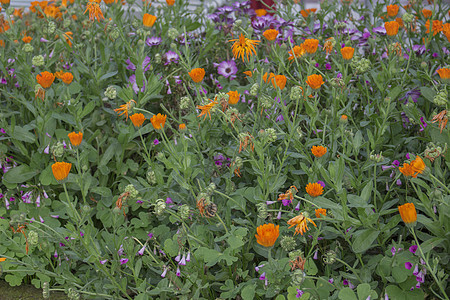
[25,292]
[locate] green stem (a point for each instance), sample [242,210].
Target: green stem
[74,211]
[221,221]
[440,183]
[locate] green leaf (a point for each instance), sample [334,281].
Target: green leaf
[19,174]
[364,240]
[13,280]
[363,291]
[347,294]
[108,75]
[310,267]
[393,94]
[74,88]
[87,109]
[22,134]
[400,273]
[248,292]
[427,93]
[46,177]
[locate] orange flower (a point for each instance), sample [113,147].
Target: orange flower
[344,118]
[243,46]
[75,138]
[305,13]
[182,127]
[314,189]
[260,12]
[271,77]
[234,97]
[328,45]
[407,170]
[68,36]
[400,22]
[444,73]
[271,34]
[170,2]
[206,109]
[94,10]
[45,79]
[267,234]
[446,30]
[108,2]
[280,81]
[442,118]
[427,13]
[418,165]
[148,20]
[318,151]
[297,51]
[301,222]
[392,10]
[437,26]
[391,28]
[311,45]
[197,74]
[158,121]
[27,39]
[2,259]
[138,119]
[67,77]
[408,213]
[61,170]
[125,108]
[248,73]
[320,211]
[347,52]
[315,81]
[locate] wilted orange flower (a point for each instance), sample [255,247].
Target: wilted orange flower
[437,26]
[197,74]
[407,170]
[206,109]
[301,222]
[318,151]
[321,211]
[243,47]
[328,45]
[444,73]
[297,51]
[271,76]
[427,13]
[2,43]
[400,22]
[267,234]
[289,194]
[67,77]
[271,34]
[392,10]
[108,2]
[170,2]
[260,12]
[27,39]
[248,73]
[138,119]
[59,74]
[315,81]
[125,108]
[148,20]
[408,213]
[418,165]
[233,97]
[45,79]
[442,118]
[182,127]
[391,28]
[94,10]
[311,45]
[158,121]
[314,189]
[68,36]
[347,52]
[75,138]
[305,12]
[61,170]
[17,12]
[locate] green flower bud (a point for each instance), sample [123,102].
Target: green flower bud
[114,34]
[160,207]
[172,33]
[237,24]
[135,23]
[73,294]
[222,97]
[407,18]
[211,188]
[111,92]
[262,210]
[329,257]
[66,23]
[271,135]
[38,60]
[296,93]
[33,238]
[288,243]
[254,89]
[298,277]
[160,156]
[51,27]
[423,65]
[151,177]
[27,48]
[184,212]
[58,149]
[266,101]
[441,98]
[294,254]
[158,58]
[132,190]
[46,290]
[300,133]
[185,102]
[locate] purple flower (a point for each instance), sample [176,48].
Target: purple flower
[227,68]
[153,41]
[435,55]
[279,215]
[393,250]
[299,293]
[164,272]
[132,80]
[408,265]
[331,280]
[61,245]
[286,202]
[150,235]
[413,249]
[379,30]
[120,251]
[178,258]
[423,124]
[103,261]
[419,49]
[155,142]
[315,255]
[263,276]
[183,261]
[188,257]
[123,261]
[297,207]
[170,57]
[41,219]
[345,282]
[327,66]
[399,182]
[321,183]
[54,216]
[55,255]
[258,267]
[81,234]
[178,272]
[141,252]
[416,270]
[44,40]
[139,202]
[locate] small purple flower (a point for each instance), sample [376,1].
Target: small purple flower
[423,124]
[141,252]
[316,254]
[41,219]
[164,272]
[299,293]
[178,258]
[327,66]
[55,255]
[188,257]
[150,235]
[153,41]
[120,251]
[123,261]
[227,69]
[331,280]
[345,282]
[62,245]
[183,261]
[170,57]
[258,267]
[416,270]
[321,183]
[413,249]
[178,272]
[393,250]
[407,156]
[408,265]
[139,201]
[399,182]
[155,142]
[103,261]
[54,216]
[263,276]
[297,207]
[279,215]
[132,80]
[169,200]
[286,202]
[81,234]
[44,40]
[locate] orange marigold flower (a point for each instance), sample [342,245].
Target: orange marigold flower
[437,26]
[61,170]
[418,165]
[2,259]
[182,127]
[446,30]
[408,213]
[94,10]
[321,211]
[347,52]
[407,170]
[314,189]
[27,39]
[158,121]
[170,2]
[442,118]
[279,81]
[267,234]
[197,74]
[138,119]
[125,108]
[45,79]
[391,28]
[311,45]
[206,109]
[233,97]
[260,12]
[68,36]
[75,138]
[297,51]
[315,81]
[427,13]
[318,151]
[271,34]
[148,20]
[392,10]
[344,117]
[400,22]
[305,12]
[243,47]
[248,73]
[67,77]
[444,73]
[300,222]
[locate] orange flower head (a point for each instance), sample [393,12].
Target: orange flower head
[314,189]
[306,12]
[158,121]
[321,211]
[271,78]
[260,12]
[125,108]
[45,79]
[67,77]
[315,81]
[108,2]
[137,120]
[427,13]
[2,259]
[344,118]
[233,97]
[27,39]
[267,234]
[297,51]
[148,20]
[444,73]
[68,36]
[418,165]
[170,2]
[182,127]
[279,81]
[206,109]
[61,170]
[318,151]
[391,28]
[248,73]
[407,170]
[408,213]
[446,30]
[243,47]
[347,52]
[311,45]
[94,10]
[271,34]
[436,27]
[300,222]
[197,74]
[75,138]
[442,118]
[392,10]
[328,45]
[400,22]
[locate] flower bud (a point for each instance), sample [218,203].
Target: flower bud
[262,210]
[51,27]
[329,257]
[114,34]
[185,102]
[254,89]
[135,23]
[160,207]
[58,149]
[298,277]
[27,48]
[33,238]
[441,98]
[407,17]
[73,294]
[38,60]
[132,190]
[288,243]
[296,93]
[158,58]
[184,212]
[172,33]
[423,65]
[111,92]
[46,290]
[151,177]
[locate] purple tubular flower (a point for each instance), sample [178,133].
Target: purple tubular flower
[153,41]
[423,124]
[416,270]
[297,207]
[141,252]
[103,261]
[315,255]
[41,219]
[55,255]
[178,258]
[413,249]
[150,235]
[123,261]
[258,267]
[408,265]
[263,276]
[188,257]
[120,251]
[227,69]
[178,272]
[183,261]
[299,293]
[164,272]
